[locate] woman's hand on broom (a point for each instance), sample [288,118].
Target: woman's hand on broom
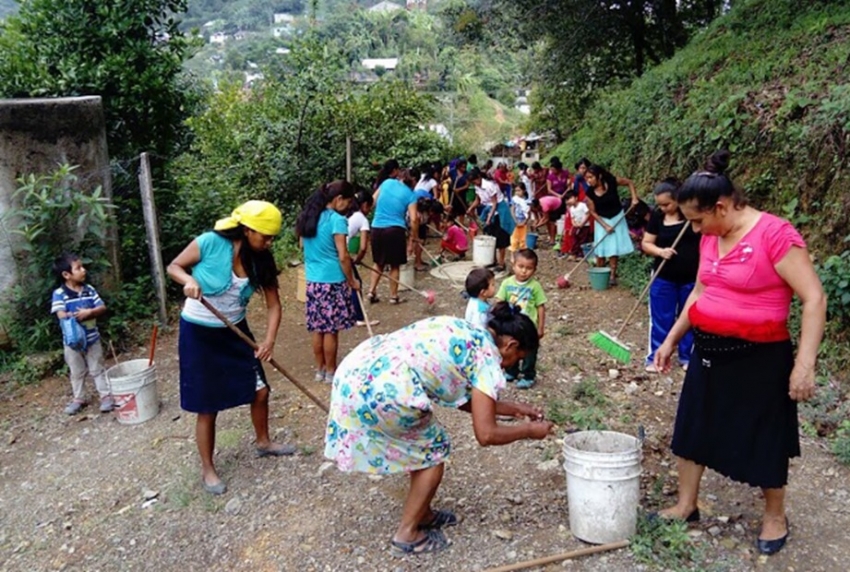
[667,253]
[191,289]
[264,351]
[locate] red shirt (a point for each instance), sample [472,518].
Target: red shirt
[744,296]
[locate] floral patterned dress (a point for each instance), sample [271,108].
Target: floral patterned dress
[381,412]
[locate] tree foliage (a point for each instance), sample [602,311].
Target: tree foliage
[593,46]
[130,52]
[283,138]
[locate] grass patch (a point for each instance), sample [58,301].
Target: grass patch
[664,544]
[841,443]
[586,411]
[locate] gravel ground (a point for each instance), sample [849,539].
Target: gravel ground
[87,493]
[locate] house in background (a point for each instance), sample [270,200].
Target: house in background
[218,38]
[386,7]
[371,64]
[282,18]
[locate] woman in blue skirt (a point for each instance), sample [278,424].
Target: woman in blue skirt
[605,208]
[218,370]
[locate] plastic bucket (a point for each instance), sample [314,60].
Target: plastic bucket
[133,386]
[531,240]
[603,485]
[406,276]
[301,285]
[484,250]
[599,278]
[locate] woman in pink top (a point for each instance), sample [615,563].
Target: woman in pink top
[738,407]
[454,240]
[548,209]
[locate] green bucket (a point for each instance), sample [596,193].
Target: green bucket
[599,278]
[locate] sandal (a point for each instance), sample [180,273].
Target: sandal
[433,541]
[372,298]
[395,300]
[441,518]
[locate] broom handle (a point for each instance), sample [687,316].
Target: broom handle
[254,346]
[651,280]
[365,315]
[399,282]
[592,248]
[558,557]
[153,344]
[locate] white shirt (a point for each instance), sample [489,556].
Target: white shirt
[357,223]
[521,209]
[476,312]
[487,191]
[578,214]
[228,303]
[424,185]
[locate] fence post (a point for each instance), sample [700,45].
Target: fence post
[348,159]
[152,230]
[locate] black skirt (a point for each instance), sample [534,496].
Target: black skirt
[389,246]
[217,369]
[735,415]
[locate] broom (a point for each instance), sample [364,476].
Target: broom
[612,344]
[429,295]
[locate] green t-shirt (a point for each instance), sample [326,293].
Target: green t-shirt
[527,295]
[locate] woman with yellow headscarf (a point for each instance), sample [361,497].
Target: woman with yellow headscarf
[218,370]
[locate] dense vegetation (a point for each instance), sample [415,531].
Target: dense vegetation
[770,81]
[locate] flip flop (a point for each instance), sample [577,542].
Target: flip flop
[433,541]
[280,451]
[442,518]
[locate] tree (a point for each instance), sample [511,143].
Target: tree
[592,45]
[130,52]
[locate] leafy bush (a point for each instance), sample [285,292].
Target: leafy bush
[664,543]
[633,271]
[835,276]
[841,443]
[52,216]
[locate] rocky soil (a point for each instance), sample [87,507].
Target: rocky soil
[87,493]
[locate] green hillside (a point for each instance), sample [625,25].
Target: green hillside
[770,81]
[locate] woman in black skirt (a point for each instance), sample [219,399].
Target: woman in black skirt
[738,408]
[217,369]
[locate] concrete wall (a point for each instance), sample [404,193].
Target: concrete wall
[36,135]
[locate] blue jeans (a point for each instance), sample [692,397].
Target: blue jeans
[666,300]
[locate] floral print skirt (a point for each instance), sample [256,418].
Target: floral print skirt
[329,307]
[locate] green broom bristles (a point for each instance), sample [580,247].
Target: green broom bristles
[611,346]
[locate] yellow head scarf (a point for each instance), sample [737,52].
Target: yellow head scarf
[260,216]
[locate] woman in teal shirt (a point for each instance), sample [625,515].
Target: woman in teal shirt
[323,231]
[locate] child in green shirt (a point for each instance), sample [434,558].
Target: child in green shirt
[525,291]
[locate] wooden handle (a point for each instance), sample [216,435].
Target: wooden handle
[560,557]
[254,346]
[399,282]
[365,315]
[153,345]
[651,280]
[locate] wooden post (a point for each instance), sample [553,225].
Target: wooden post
[152,230]
[348,159]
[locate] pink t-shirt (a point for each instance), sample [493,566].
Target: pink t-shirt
[743,287]
[457,238]
[549,203]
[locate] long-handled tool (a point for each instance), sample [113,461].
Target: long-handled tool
[429,295]
[153,345]
[559,557]
[612,344]
[365,315]
[322,405]
[564,281]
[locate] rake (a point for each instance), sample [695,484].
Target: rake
[612,344]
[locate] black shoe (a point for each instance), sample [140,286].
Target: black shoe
[693,517]
[769,547]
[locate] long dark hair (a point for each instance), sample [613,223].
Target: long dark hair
[308,220]
[608,180]
[669,186]
[386,170]
[708,185]
[508,320]
[258,264]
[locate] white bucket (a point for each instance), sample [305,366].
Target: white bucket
[603,485]
[133,386]
[484,250]
[406,276]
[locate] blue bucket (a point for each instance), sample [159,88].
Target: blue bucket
[531,240]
